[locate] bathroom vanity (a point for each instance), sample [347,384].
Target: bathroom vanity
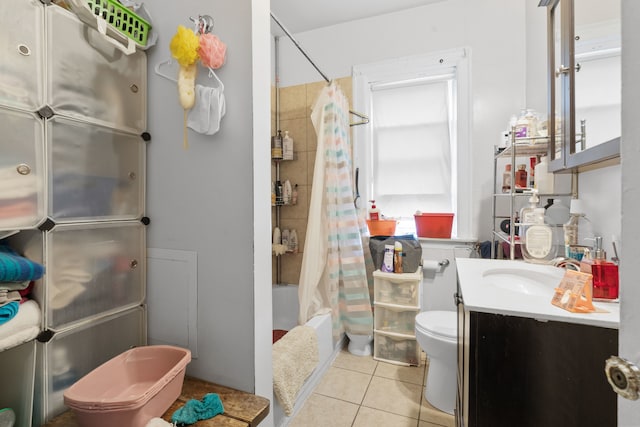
[523,361]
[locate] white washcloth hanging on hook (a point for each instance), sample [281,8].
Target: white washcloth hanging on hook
[210,105]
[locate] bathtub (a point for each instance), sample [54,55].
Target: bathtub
[285,316]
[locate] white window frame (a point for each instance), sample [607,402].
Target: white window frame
[415,68]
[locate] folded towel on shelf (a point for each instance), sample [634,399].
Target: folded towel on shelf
[9,296]
[295,356]
[24,327]
[8,311]
[15,286]
[196,410]
[16,268]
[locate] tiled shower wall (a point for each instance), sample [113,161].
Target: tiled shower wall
[295,116]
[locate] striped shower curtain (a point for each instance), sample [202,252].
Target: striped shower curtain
[334,276]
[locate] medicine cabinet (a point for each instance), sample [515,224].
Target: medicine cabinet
[584,77]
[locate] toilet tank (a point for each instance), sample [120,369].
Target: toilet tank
[439,284]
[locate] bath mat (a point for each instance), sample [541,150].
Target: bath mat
[277,334]
[295,357]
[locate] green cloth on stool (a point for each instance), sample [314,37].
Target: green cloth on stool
[196,410]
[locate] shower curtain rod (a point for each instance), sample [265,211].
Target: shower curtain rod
[364,118]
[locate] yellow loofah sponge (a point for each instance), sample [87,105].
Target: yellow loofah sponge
[184,46]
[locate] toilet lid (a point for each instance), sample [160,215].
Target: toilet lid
[443,323]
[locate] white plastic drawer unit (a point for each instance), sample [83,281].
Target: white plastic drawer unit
[21,54]
[22,204]
[399,289]
[396,349]
[90,79]
[72,354]
[95,173]
[395,319]
[93,270]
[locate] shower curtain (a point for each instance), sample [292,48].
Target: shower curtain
[334,276]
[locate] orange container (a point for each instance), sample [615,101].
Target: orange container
[435,225]
[382,227]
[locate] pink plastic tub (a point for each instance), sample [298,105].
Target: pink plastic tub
[129,389]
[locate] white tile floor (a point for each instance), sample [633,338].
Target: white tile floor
[362,392]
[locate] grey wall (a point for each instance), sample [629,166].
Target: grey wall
[201,199]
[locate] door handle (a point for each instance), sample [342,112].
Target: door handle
[624,377]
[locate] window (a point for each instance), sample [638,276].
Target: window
[417,141]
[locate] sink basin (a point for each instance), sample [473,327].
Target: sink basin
[525,282]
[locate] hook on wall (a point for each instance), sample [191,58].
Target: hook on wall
[203,24]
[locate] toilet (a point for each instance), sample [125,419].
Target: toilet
[436,326]
[360,345]
[436,333]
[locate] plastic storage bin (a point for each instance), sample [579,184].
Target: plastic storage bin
[89,79]
[95,173]
[396,349]
[93,270]
[131,388]
[21,170]
[395,319]
[22,54]
[18,381]
[71,354]
[434,225]
[382,227]
[398,289]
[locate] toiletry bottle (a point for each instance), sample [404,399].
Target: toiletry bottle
[374,212]
[506,179]
[556,215]
[532,123]
[279,189]
[530,215]
[397,257]
[277,238]
[532,170]
[543,179]
[276,146]
[287,146]
[387,259]
[294,195]
[536,237]
[522,125]
[521,176]
[577,231]
[605,273]
[286,193]
[293,241]
[273,193]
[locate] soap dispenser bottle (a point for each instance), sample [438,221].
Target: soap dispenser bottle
[605,273]
[536,237]
[374,212]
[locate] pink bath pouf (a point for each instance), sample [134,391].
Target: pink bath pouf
[212,51]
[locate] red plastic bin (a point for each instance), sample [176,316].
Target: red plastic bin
[434,225]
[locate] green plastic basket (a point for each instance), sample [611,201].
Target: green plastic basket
[122,19]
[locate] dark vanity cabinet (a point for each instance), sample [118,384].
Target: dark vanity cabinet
[517,371]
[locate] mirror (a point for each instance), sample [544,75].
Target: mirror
[597,48]
[584,43]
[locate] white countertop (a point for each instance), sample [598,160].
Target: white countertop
[530,298]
